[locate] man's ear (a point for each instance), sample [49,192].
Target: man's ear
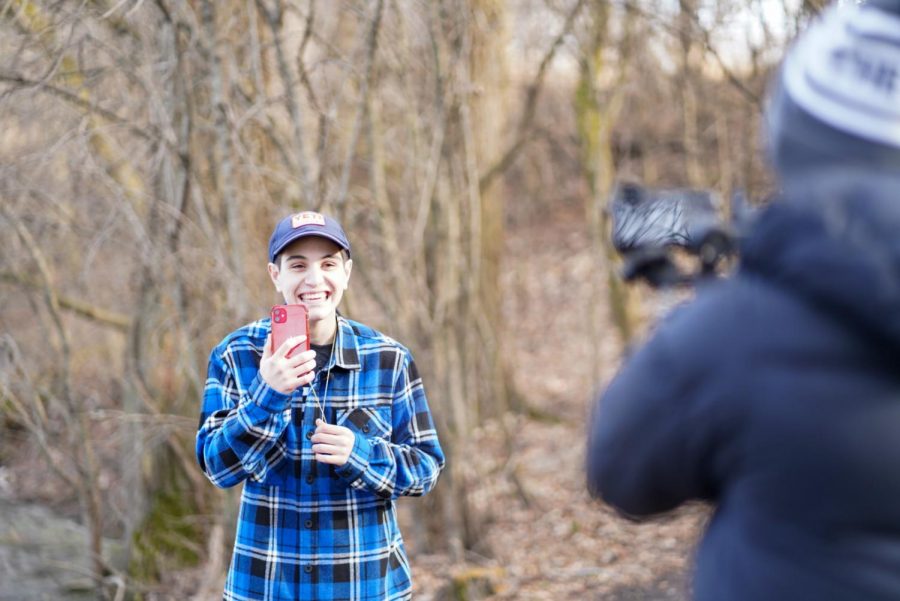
[273,273]
[348,267]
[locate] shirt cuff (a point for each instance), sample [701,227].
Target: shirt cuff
[358,460]
[267,398]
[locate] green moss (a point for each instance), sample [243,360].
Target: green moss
[170,537]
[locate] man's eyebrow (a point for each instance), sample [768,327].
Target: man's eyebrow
[304,258]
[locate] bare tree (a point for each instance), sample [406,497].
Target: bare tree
[148,147]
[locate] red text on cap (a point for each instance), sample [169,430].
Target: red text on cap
[307,218]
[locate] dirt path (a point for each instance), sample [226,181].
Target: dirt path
[547,538]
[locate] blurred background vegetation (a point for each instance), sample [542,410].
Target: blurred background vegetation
[148,146]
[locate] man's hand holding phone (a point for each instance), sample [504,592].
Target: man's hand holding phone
[286,374]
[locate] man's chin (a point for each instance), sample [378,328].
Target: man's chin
[317,314]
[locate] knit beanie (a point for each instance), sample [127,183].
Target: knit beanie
[836,100]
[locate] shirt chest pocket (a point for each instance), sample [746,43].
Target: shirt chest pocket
[371,422]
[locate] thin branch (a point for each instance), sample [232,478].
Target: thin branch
[301,67]
[371,49]
[729,74]
[432,168]
[707,44]
[274,19]
[222,151]
[90,107]
[166,13]
[46,280]
[39,434]
[112,319]
[523,130]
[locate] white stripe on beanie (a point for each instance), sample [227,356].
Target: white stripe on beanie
[845,71]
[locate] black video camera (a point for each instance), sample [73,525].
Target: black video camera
[649,225]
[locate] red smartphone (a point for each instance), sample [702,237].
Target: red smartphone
[288,321]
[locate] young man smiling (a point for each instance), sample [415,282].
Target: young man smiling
[323,440]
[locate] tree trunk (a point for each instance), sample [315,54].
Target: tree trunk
[485,123]
[597,108]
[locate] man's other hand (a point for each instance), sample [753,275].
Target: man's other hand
[332,444]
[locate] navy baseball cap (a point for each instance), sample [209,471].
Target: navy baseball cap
[307,223]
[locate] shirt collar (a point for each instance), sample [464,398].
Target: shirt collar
[346,349]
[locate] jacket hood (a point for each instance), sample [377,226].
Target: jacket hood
[834,239]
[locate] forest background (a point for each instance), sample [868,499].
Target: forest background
[469,148]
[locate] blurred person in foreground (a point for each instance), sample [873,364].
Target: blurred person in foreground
[775,394]
[323,440]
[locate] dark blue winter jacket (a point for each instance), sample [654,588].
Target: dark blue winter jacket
[775,395]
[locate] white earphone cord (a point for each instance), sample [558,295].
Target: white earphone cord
[320,404]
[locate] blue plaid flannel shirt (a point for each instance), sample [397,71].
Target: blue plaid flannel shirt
[309,530]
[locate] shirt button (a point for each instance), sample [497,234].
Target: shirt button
[307,568]
[309,434]
[310,479]
[365,429]
[308,523]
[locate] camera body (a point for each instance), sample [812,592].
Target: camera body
[650,224]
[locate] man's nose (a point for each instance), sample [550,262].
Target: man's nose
[313,275]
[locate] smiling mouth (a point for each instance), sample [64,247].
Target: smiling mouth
[313,297]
